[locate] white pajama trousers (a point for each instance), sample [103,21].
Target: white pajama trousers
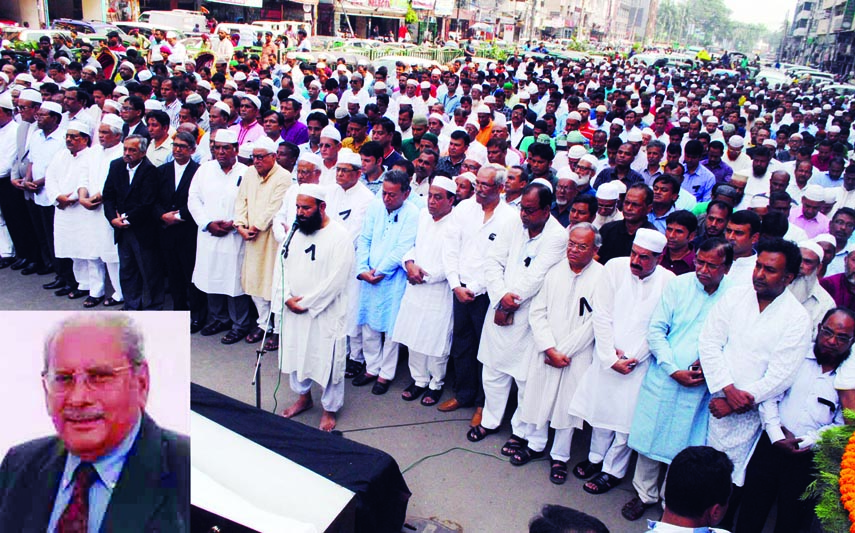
[497,387]
[91,276]
[332,398]
[263,307]
[428,370]
[560,450]
[381,356]
[610,448]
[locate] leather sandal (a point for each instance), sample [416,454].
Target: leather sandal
[413,392]
[232,337]
[635,508]
[513,444]
[525,455]
[558,472]
[479,433]
[586,469]
[601,484]
[431,397]
[255,335]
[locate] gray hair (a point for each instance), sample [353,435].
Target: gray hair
[501,173]
[598,239]
[131,336]
[656,143]
[143,141]
[187,137]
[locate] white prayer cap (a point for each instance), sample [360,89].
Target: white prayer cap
[499,121]
[650,240]
[80,126]
[24,78]
[213,96]
[478,157]
[602,109]
[6,101]
[314,190]
[685,119]
[128,65]
[171,35]
[564,173]
[31,95]
[591,159]
[444,183]
[53,107]
[607,191]
[489,99]
[194,98]
[254,99]
[584,105]
[412,82]
[712,119]
[525,96]
[483,109]
[618,121]
[112,104]
[224,107]
[634,136]
[265,143]
[204,84]
[146,75]
[796,135]
[574,115]
[348,157]
[313,159]
[814,193]
[114,121]
[834,129]
[231,83]
[435,72]
[330,132]
[543,182]
[468,176]
[405,100]
[577,152]
[93,70]
[315,83]
[830,195]
[736,142]
[121,89]
[813,247]
[826,238]
[239,76]
[378,86]
[648,131]
[619,186]
[425,85]
[340,113]
[153,105]
[245,150]
[770,142]
[759,202]
[227,136]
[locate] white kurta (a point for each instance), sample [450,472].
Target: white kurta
[606,398]
[425,316]
[755,352]
[517,264]
[62,178]
[218,259]
[561,318]
[98,232]
[316,269]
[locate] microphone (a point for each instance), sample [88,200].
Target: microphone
[287,242]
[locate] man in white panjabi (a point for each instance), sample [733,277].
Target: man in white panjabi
[98,231]
[750,347]
[626,296]
[562,327]
[61,184]
[806,287]
[351,198]
[316,267]
[424,318]
[219,250]
[516,265]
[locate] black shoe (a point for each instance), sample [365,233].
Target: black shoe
[6,262]
[31,268]
[44,271]
[20,263]
[215,327]
[196,326]
[353,368]
[65,291]
[55,284]
[77,293]
[363,379]
[380,388]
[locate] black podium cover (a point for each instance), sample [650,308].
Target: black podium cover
[381,492]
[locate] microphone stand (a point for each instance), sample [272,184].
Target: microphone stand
[259,352]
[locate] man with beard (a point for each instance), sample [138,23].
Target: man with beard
[315,272]
[607,197]
[841,286]
[626,297]
[424,319]
[781,466]
[758,181]
[809,217]
[841,228]
[672,411]
[750,347]
[713,223]
[806,287]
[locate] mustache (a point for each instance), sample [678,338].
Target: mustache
[76,415]
[635,266]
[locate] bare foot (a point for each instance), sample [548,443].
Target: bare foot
[327,421]
[304,403]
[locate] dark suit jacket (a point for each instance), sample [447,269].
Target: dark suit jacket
[171,199]
[152,495]
[527,131]
[136,201]
[139,129]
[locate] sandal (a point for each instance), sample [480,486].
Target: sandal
[479,433]
[513,444]
[232,337]
[255,335]
[525,455]
[272,342]
[586,469]
[431,397]
[558,472]
[635,508]
[601,484]
[413,392]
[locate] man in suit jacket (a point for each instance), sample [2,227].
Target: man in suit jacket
[102,428]
[129,195]
[178,229]
[133,112]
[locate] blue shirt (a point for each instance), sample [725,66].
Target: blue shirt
[699,183]
[109,469]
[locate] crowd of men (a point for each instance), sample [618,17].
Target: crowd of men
[663,254]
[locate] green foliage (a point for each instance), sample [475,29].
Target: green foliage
[706,23]
[411,17]
[828,453]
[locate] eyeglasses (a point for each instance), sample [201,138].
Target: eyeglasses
[181,146]
[577,246]
[96,379]
[257,157]
[72,136]
[325,145]
[345,170]
[483,185]
[829,334]
[530,210]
